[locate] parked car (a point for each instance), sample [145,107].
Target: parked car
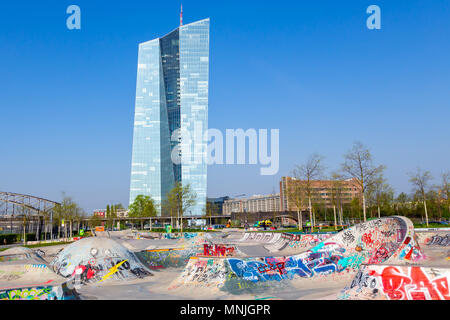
[260,223]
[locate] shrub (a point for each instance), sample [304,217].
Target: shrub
[8,238]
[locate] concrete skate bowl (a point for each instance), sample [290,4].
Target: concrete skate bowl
[180,239]
[287,243]
[436,246]
[46,292]
[376,241]
[192,238]
[387,282]
[21,265]
[290,243]
[16,254]
[179,257]
[434,238]
[95,259]
[167,258]
[24,275]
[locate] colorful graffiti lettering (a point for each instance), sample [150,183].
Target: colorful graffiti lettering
[39,293]
[413,286]
[437,240]
[112,270]
[167,258]
[217,250]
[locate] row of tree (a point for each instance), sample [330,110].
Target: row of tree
[59,222]
[376,195]
[65,219]
[178,201]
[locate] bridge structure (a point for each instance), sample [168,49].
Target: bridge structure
[15,204]
[15,208]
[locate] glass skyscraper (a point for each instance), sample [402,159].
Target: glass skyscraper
[171,106]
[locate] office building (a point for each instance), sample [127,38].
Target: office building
[171,106]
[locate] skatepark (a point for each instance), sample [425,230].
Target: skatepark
[381,259]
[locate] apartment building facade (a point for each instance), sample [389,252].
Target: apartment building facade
[256,203]
[326,192]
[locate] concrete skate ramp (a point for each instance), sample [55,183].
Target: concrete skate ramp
[286,243]
[16,254]
[376,241]
[167,258]
[97,259]
[434,239]
[23,272]
[174,235]
[163,258]
[261,237]
[183,240]
[387,282]
[21,266]
[40,292]
[436,247]
[290,243]
[24,275]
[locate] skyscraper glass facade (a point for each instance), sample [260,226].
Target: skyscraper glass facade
[171,107]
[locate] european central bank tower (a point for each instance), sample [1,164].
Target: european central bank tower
[172,103]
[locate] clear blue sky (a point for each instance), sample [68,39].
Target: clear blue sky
[309,68]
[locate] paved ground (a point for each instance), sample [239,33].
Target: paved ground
[156,287]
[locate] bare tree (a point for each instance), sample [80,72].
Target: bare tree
[66,211]
[445,187]
[336,196]
[420,180]
[358,164]
[380,193]
[181,198]
[211,209]
[307,173]
[297,195]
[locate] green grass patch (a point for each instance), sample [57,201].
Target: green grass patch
[39,245]
[431,225]
[161,230]
[47,244]
[316,230]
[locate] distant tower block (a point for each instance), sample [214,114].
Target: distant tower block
[171,97]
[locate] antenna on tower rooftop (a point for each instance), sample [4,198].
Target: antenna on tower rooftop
[181,15]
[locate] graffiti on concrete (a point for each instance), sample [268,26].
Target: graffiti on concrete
[409,250]
[348,237]
[265,237]
[416,285]
[117,269]
[218,250]
[44,293]
[92,259]
[14,257]
[177,235]
[321,260]
[202,273]
[113,270]
[167,258]
[61,292]
[376,242]
[399,283]
[307,240]
[439,240]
